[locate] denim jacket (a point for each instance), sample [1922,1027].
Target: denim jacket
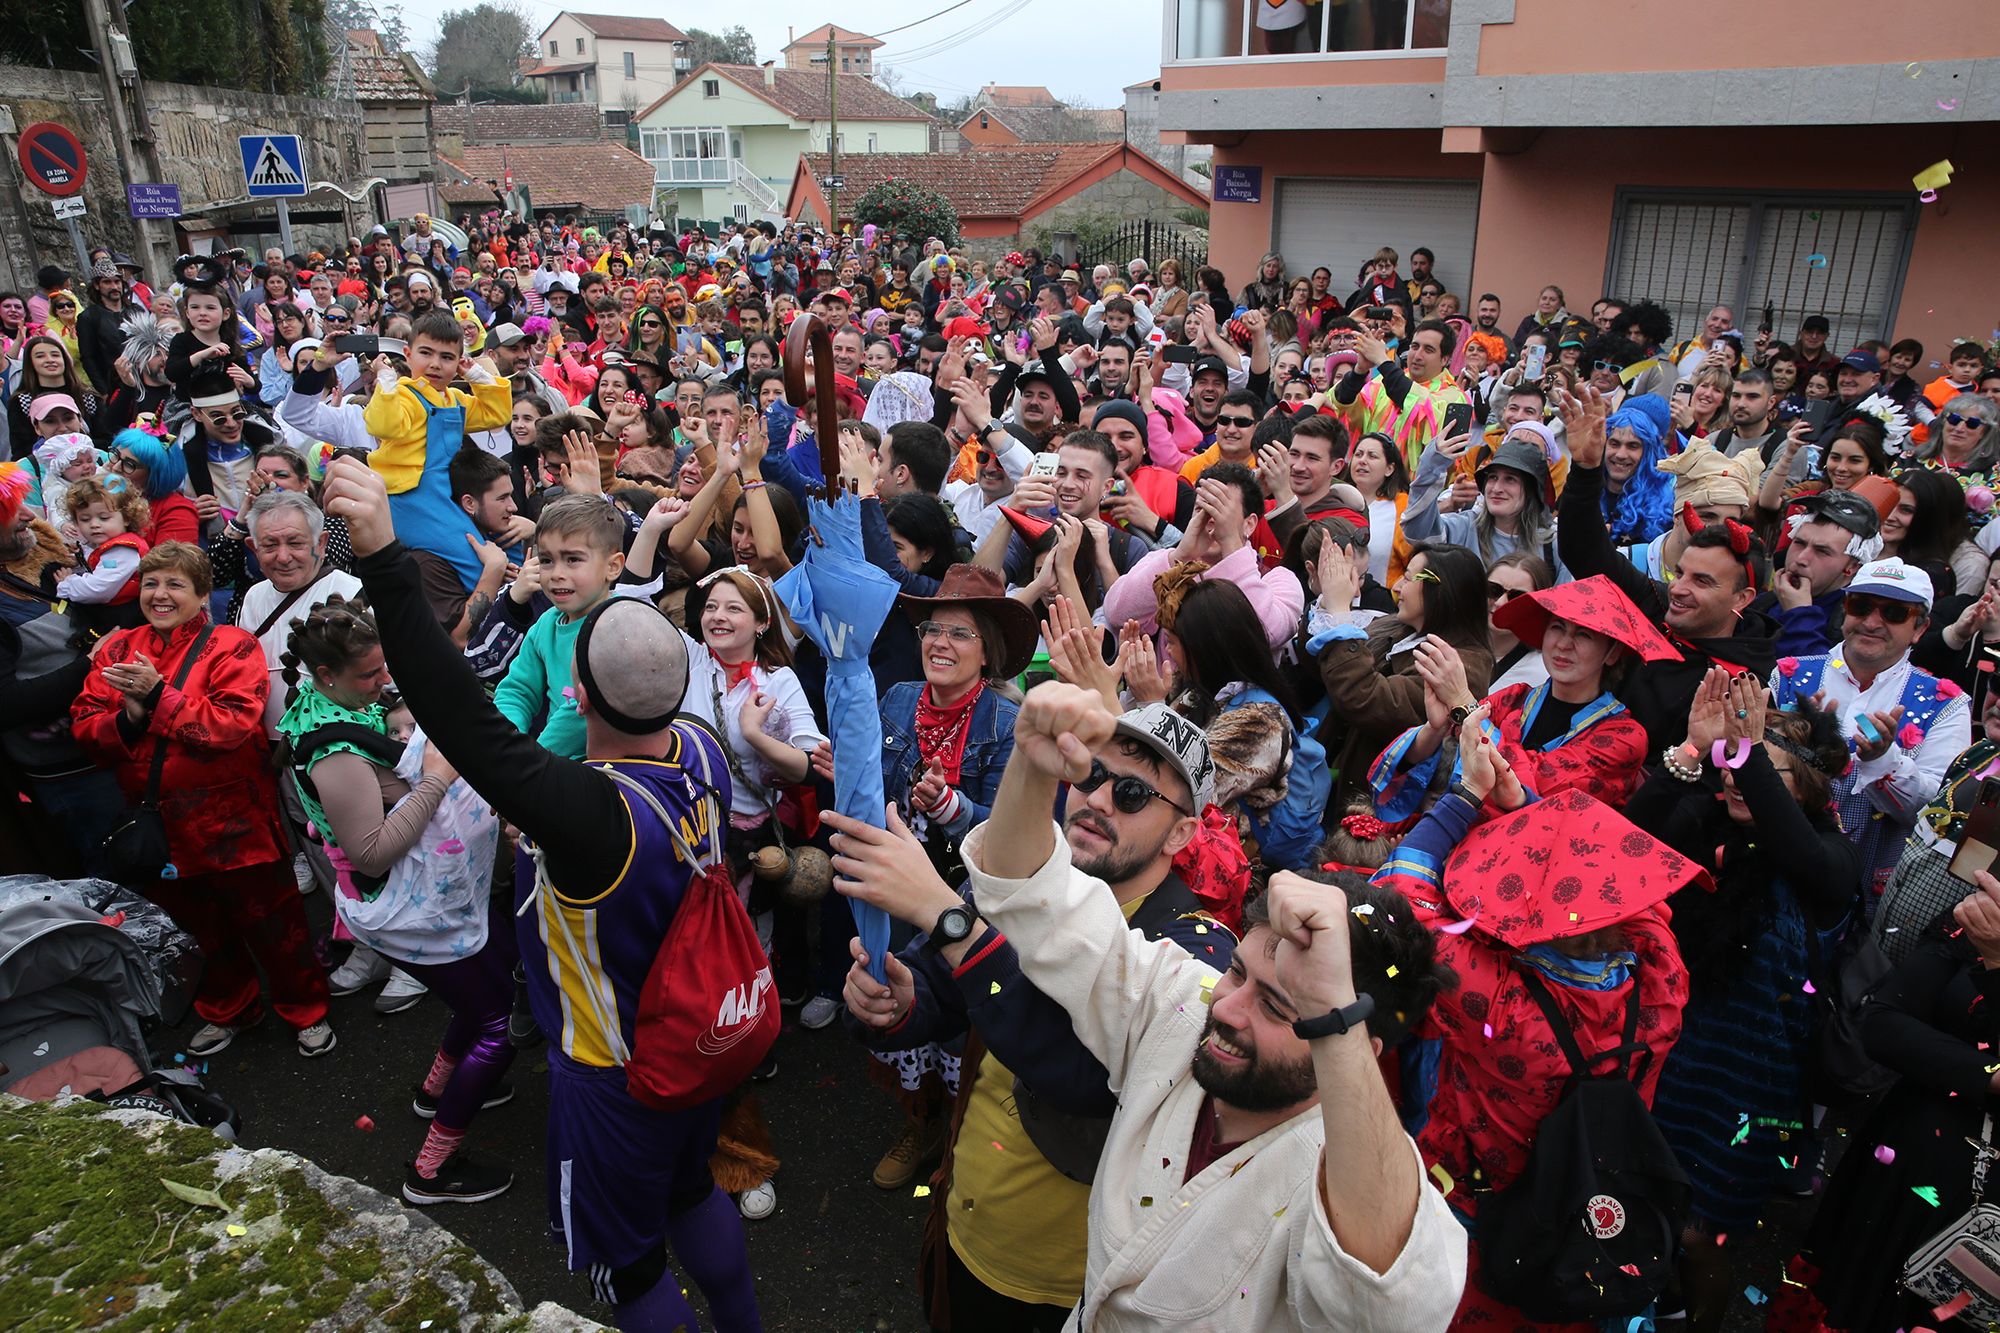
[989,741]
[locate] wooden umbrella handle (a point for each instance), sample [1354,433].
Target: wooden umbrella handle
[809,334]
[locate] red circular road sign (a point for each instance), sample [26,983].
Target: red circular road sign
[52,159]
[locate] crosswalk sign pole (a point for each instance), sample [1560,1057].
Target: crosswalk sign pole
[285,226]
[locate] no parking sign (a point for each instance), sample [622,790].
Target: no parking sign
[52,159]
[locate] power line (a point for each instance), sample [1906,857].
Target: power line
[925,19]
[925,51]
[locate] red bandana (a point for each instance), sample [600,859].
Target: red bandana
[734,673]
[941,731]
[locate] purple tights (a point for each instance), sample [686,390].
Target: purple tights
[480,993]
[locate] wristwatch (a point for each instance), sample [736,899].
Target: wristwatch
[1460,713]
[954,926]
[1336,1022]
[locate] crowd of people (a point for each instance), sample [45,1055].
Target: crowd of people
[1322,735]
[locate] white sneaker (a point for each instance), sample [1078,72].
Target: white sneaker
[758,1202]
[402,991]
[317,1040]
[211,1039]
[362,967]
[819,1012]
[302,872]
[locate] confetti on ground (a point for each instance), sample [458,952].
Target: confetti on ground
[1815,261]
[366,1124]
[1885,1154]
[1950,1309]
[1928,1193]
[922,1192]
[1754,1296]
[235,1230]
[1914,70]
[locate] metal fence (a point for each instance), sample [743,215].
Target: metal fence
[1151,241]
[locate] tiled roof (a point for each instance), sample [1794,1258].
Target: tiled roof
[598,176]
[551,122]
[801,93]
[841,37]
[1005,94]
[1057,124]
[381,78]
[979,182]
[622,29]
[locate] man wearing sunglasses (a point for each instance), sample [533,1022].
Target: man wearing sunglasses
[221,449]
[1903,728]
[1016,1261]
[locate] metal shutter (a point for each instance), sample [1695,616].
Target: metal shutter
[1767,257]
[1342,223]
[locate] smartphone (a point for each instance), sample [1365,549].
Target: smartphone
[1179,354]
[1378,313]
[370,345]
[1979,845]
[1457,421]
[1685,389]
[1536,363]
[1044,465]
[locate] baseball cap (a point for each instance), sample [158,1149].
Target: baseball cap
[508,334]
[1893,579]
[1206,364]
[1864,362]
[1178,742]
[1815,324]
[43,404]
[1854,512]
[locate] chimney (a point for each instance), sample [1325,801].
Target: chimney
[770,74]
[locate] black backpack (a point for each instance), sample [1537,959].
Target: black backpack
[1590,1229]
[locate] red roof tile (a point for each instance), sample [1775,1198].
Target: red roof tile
[619,28]
[841,36]
[384,78]
[549,122]
[597,176]
[995,182]
[801,93]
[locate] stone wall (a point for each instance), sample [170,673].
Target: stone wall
[1124,196]
[196,131]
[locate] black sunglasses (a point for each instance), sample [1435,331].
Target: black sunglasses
[1240,423]
[1859,604]
[1129,794]
[1498,593]
[1961,419]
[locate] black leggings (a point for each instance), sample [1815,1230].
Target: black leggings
[977,1308]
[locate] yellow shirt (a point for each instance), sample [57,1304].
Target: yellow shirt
[1015,1221]
[400,424]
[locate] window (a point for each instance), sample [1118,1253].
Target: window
[631,66]
[697,155]
[1769,258]
[579,46]
[742,212]
[555,47]
[1225,30]
[843,64]
[711,87]
[874,143]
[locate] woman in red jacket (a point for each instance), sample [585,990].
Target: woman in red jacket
[229,878]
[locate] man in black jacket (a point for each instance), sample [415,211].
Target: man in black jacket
[1705,610]
[99,337]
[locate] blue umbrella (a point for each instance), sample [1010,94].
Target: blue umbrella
[839,601]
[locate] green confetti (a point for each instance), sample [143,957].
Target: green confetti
[194,1195]
[1928,1193]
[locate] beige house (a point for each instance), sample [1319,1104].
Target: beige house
[613,63]
[854,50]
[725,144]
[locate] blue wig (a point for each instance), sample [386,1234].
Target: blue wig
[1645,508]
[166,466]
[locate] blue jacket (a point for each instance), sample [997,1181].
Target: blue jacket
[1809,630]
[989,743]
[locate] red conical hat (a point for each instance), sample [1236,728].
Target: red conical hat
[1594,603]
[1563,866]
[1038,533]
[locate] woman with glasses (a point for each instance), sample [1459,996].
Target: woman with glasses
[649,334]
[1964,444]
[64,311]
[1515,574]
[1732,1098]
[156,468]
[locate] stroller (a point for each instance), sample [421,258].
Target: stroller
[87,967]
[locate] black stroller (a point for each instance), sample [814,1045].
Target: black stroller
[87,968]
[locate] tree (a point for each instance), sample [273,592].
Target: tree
[387,21]
[480,47]
[908,209]
[731,46]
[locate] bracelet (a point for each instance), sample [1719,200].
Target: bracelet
[754,485]
[1677,768]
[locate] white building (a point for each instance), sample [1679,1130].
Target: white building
[616,64]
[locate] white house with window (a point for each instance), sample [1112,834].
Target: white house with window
[726,141]
[609,61]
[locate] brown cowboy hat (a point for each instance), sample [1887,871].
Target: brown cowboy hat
[984,593]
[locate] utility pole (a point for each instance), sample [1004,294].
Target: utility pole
[832,138]
[131,129]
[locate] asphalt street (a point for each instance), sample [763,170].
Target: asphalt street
[838,1256]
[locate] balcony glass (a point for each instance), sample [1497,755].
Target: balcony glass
[1232,29]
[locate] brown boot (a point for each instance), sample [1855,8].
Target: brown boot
[911,1155]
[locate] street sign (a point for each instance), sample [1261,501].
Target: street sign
[68,208]
[52,159]
[153,201]
[1239,185]
[274,165]
[833,182]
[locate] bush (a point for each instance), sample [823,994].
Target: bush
[907,208]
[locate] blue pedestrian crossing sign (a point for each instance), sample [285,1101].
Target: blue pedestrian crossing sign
[273,165]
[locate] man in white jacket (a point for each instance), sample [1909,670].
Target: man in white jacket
[1255,1176]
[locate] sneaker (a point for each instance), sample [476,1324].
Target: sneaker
[402,991]
[363,967]
[213,1039]
[767,1069]
[426,1106]
[921,1145]
[462,1179]
[317,1040]
[759,1202]
[819,1012]
[522,1029]
[302,874]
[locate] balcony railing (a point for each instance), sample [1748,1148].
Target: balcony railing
[691,170]
[1232,29]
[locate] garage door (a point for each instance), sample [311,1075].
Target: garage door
[1341,223]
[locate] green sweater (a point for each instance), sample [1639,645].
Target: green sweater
[538,682]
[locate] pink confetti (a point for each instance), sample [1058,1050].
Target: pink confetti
[1489,1031]
[1885,1154]
[1459,927]
[1809,988]
[1950,1309]
[453,847]
[366,1124]
[1947,104]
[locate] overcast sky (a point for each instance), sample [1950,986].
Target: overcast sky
[1081,52]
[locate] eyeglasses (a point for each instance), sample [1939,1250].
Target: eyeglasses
[651,324]
[1961,419]
[126,463]
[1237,423]
[1496,592]
[937,629]
[1129,794]
[220,417]
[1611,366]
[1859,604]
